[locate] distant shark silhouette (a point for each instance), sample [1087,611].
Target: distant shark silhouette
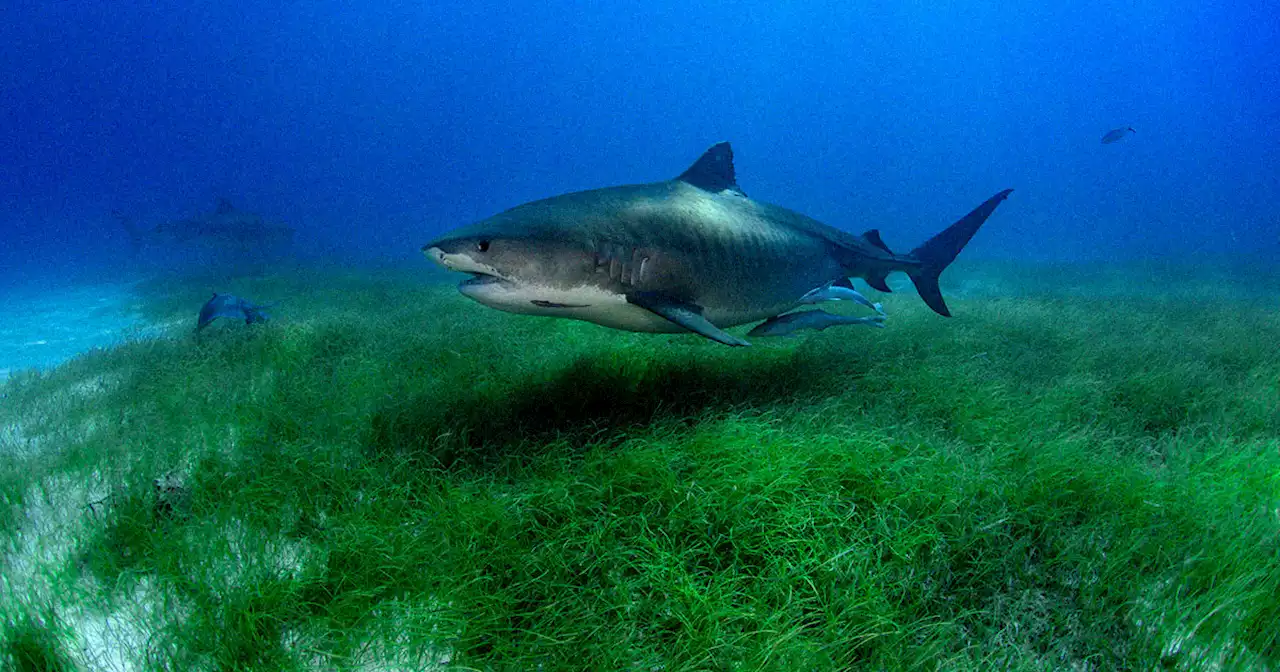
[693,254]
[226,226]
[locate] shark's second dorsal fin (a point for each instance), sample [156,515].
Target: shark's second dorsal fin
[224,206]
[873,237]
[714,171]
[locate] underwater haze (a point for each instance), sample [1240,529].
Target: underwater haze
[373,126]
[245,424]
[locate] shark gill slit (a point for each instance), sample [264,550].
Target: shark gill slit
[633,267]
[601,251]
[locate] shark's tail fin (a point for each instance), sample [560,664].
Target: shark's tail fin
[131,229]
[939,251]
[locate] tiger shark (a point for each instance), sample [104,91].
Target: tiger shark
[227,226]
[692,254]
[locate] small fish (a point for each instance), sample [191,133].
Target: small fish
[789,324]
[226,305]
[1116,134]
[838,291]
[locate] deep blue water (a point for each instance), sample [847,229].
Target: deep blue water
[372,125]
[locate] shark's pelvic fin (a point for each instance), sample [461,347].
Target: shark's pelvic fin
[224,206]
[687,315]
[877,282]
[714,171]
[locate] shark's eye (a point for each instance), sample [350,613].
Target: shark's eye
[483,246]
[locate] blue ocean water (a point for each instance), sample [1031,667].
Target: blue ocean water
[370,127]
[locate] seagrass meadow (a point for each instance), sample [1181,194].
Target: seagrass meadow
[1081,470]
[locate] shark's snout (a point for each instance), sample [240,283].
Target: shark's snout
[435,254]
[481,273]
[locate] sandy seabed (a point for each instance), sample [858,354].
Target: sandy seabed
[42,328]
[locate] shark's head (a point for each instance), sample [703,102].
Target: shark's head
[519,269]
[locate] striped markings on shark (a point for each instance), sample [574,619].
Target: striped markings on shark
[225,226]
[691,254]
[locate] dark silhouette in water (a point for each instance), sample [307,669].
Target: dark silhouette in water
[225,227]
[226,305]
[1116,134]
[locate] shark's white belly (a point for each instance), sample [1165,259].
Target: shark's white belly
[618,315]
[589,304]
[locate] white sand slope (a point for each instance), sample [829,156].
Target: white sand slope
[41,328]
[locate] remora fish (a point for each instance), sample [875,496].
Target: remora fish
[225,226]
[226,305]
[789,324]
[818,320]
[840,292]
[689,254]
[1115,134]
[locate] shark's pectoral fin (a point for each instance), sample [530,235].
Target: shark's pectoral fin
[687,315]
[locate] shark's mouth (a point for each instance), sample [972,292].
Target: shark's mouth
[481,274]
[478,279]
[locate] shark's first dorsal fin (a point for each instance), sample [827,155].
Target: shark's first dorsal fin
[873,237]
[224,206]
[714,171]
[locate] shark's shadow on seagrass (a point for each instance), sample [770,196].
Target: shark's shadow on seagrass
[588,402]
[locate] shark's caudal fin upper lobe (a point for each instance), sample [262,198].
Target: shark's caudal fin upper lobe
[131,229]
[939,251]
